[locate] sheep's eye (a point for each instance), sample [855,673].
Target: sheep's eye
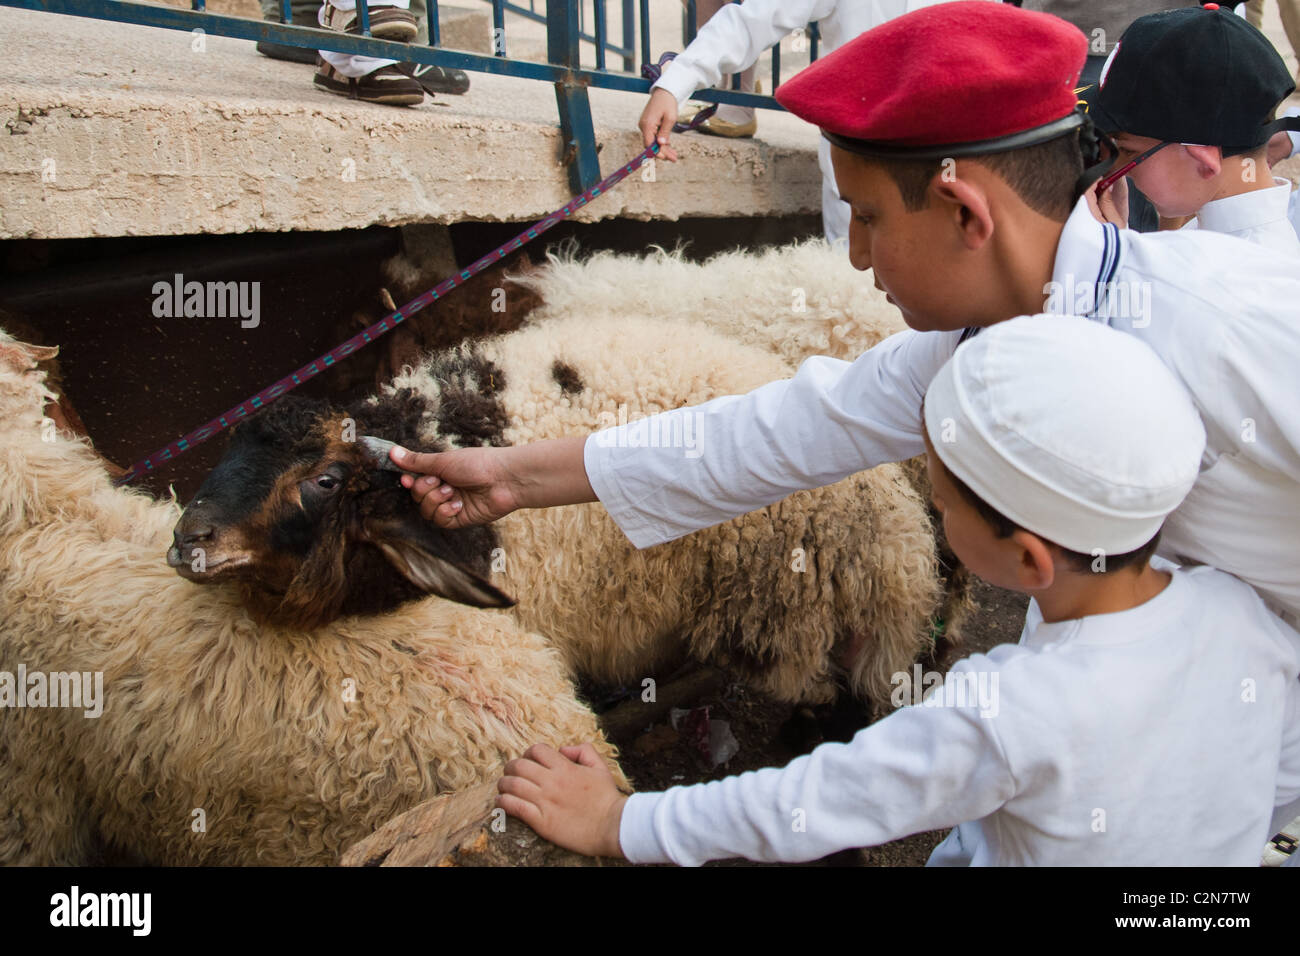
[326,482]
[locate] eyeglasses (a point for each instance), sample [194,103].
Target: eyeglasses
[1110,179]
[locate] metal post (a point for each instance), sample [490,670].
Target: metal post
[576,130]
[499,27]
[645,32]
[629,38]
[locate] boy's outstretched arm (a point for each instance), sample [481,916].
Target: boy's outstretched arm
[711,462]
[920,768]
[568,796]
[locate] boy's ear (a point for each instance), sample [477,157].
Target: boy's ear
[968,205]
[1209,160]
[1037,565]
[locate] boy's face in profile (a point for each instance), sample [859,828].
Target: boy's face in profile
[913,254]
[971,538]
[1173,179]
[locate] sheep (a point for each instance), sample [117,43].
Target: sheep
[223,740]
[796,300]
[780,596]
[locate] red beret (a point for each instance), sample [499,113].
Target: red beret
[962,72]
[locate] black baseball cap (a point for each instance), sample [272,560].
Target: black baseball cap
[1193,75]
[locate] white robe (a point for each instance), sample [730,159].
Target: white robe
[1160,735]
[1260,216]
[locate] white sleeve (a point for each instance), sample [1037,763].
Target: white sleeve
[690,468]
[1288,777]
[733,40]
[921,768]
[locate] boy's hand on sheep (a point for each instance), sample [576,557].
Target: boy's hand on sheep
[472,486]
[657,120]
[568,796]
[458,488]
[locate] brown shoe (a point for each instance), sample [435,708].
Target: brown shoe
[387,85]
[386,23]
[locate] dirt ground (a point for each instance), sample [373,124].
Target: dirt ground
[656,757]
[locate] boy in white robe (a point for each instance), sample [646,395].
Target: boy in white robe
[1149,715]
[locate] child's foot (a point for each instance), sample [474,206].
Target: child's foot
[732,121]
[387,85]
[735,115]
[386,23]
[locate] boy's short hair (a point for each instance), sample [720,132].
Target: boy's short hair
[1043,175]
[1004,527]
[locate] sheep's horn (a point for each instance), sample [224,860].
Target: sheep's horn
[376,450]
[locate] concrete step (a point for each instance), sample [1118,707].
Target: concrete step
[116,129]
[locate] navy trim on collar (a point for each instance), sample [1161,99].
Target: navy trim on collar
[1106,272]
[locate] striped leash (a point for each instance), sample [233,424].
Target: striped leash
[255,403]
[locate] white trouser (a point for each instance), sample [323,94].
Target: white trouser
[345,63]
[835,211]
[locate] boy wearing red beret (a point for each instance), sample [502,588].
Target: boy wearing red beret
[955,137]
[1189,95]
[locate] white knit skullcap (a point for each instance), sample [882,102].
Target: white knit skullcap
[1071,429]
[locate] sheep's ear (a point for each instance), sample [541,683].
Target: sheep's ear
[22,356]
[442,574]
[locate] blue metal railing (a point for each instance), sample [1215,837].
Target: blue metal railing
[627,49]
[564,34]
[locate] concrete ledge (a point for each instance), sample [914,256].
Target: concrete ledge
[117,130]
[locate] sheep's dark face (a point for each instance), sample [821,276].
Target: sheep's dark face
[300,515]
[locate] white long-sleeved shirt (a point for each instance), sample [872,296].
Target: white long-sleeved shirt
[1222,313]
[1160,735]
[1259,216]
[737,35]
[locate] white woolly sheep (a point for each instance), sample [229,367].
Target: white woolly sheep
[797,300]
[223,741]
[849,570]
[777,594]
